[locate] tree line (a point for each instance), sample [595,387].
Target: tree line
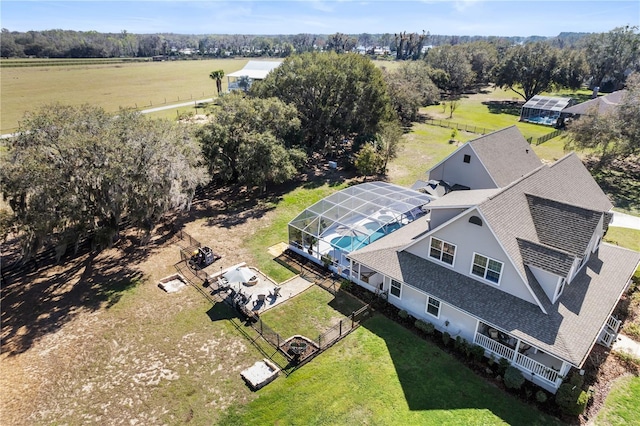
[71,172]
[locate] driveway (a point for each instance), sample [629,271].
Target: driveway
[623,220]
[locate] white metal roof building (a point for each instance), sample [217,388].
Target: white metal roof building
[253,70]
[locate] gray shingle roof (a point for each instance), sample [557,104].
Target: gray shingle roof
[545,257]
[602,103]
[568,330]
[510,216]
[464,198]
[506,155]
[563,226]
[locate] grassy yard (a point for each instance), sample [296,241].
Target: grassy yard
[110,86]
[382,374]
[312,313]
[621,405]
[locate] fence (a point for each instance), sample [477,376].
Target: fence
[548,136]
[343,328]
[464,127]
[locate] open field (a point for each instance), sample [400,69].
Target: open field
[110,86]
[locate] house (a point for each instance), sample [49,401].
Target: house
[601,104]
[253,70]
[515,263]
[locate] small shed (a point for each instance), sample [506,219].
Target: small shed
[545,110]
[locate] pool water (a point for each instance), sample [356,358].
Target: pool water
[350,243]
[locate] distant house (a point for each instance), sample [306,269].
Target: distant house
[601,104]
[253,70]
[515,263]
[545,110]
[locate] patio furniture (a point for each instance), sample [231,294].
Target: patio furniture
[275,294]
[260,300]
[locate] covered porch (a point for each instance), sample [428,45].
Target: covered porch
[540,367]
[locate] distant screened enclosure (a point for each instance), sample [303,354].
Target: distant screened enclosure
[353,218]
[544,109]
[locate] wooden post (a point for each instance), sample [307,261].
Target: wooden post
[340,328]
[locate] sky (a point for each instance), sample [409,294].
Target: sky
[443,17]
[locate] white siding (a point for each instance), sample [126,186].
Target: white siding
[454,170]
[547,280]
[439,216]
[470,238]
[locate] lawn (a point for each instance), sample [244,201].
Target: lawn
[382,374]
[110,86]
[621,405]
[311,313]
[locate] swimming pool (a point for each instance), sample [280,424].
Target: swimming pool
[351,243]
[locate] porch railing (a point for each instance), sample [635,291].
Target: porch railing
[495,347]
[613,323]
[537,368]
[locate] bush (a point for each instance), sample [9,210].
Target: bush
[570,398]
[446,338]
[346,285]
[503,364]
[425,326]
[403,314]
[476,352]
[513,378]
[541,396]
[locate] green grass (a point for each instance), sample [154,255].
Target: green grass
[110,86]
[624,237]
[311,313]
[382,374]
[621,406]
[288,206]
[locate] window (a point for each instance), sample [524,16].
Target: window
[442,251]
[467,158]
[486,268]
[433,307]
[396,288]
[475,220]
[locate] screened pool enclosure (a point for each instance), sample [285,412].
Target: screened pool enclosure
[353,218]
[544,110]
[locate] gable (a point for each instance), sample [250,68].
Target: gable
[563,226]
[463,168]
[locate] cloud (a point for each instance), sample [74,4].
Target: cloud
[463,5]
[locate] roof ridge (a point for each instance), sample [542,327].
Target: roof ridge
[490,133]
[528,194]
[517,181]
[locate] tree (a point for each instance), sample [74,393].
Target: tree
[368,160]
[252,141]
[528,69]
[77,171]
[453,60]
[613,134]
[217,76]
[483,56]
[388,142]
[409,46]
[340,43]
[611,56]
[336,96]
[410,88]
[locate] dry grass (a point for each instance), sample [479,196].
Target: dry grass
[134,85]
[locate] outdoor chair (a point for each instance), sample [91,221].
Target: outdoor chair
[275,294]
[260,300]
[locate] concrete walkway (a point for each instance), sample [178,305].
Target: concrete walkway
[626,344]
[623,220]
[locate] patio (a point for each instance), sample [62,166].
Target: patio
[258,288]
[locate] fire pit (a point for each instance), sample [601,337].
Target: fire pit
[298,348]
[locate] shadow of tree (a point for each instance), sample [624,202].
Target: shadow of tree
[38,302]
[504,107]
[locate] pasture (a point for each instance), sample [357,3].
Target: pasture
[111,86]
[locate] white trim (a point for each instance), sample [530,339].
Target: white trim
[484,278]
[426,309]
[391,287]
[455,247]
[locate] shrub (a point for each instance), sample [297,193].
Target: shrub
[446,338]
[403,314]
[513,378]
[541,397]
[425,326]
[502,365]
[476,352]
[570,398]
[346,285]
[492,360]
